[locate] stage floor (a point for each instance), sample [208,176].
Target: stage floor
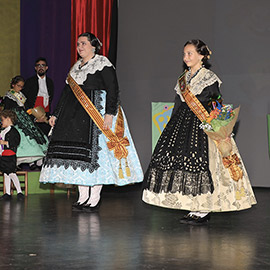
[43,233]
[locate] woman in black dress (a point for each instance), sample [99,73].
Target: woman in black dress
[78,153]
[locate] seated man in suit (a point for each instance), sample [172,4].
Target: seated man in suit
[39,91]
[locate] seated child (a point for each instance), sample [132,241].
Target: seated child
[9,142]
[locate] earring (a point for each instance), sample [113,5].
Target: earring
[93,50]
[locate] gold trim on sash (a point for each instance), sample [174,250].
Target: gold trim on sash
[117,142]
[193,103]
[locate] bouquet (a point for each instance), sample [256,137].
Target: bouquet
[218,126]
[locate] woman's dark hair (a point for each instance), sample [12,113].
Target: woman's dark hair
[9,113]
[201,49]
[93,40]
[16,79]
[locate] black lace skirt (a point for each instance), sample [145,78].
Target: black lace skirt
[27,126]
[180,160]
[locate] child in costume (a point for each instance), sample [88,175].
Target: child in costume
[9,141]
[188,170]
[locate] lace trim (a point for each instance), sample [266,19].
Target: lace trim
[87,158]
[26,125]
[179,181]
[19,97]
[93,65]
[204,78]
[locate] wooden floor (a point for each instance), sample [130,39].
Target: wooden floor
[43,233]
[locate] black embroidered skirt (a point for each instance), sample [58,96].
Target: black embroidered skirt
[74,141]
[180,160]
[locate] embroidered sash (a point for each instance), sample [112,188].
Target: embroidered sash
[193,103]
[117,142]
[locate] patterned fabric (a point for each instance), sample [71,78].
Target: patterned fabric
[33,143]
[228,195]
[106,173]
[81,154]
[78,152]
[96,64]
[18,97]
[204,78]
[28,127]
[177,165]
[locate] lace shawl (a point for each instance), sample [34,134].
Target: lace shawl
[204,78]
[19,97]
[95,64]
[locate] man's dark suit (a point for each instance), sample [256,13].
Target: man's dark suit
[31,88]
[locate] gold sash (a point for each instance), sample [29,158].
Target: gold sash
[117,142]
[193,103]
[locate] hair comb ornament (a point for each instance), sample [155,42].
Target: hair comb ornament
[99,42]
[210,52]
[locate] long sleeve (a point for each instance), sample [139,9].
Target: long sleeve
[112,90]
[209,93]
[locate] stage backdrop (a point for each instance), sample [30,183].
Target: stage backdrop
[151,38]
[37,28]
[161,114]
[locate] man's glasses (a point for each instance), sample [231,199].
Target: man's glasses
[40,65]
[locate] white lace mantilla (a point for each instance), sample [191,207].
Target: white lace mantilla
[95,64]
[18,97]
[204,78]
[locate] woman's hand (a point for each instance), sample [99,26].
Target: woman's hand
[52,121]
[107,121]
[2,142]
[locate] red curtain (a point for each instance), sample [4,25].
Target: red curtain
[91,16]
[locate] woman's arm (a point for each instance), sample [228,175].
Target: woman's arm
[61,101]
[112,90]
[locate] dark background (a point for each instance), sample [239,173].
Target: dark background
[151,37]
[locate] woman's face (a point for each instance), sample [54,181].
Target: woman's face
[84,48]
[18,86]
[191,57]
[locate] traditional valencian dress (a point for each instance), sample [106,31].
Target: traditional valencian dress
[186,170]
[78,152]
[33,143]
